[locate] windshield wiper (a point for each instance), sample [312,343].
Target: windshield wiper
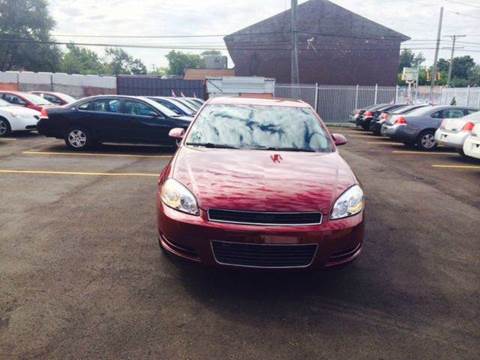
[213,146]
[282,149]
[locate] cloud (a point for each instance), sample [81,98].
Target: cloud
[416,19]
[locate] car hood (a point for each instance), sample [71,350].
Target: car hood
[248,180]
[184,118]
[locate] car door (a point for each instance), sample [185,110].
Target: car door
[104,117]
[149,124]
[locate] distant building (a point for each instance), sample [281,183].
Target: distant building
[202,74]
[336,47]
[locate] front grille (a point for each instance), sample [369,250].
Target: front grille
[263,256]
[265,218]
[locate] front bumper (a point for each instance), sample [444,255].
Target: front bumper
[450,138]
[24,123]
[471,147]
[192,237]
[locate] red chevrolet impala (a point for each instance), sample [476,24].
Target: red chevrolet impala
[260,184]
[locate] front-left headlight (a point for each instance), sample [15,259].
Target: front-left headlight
[350,203]
[178,197]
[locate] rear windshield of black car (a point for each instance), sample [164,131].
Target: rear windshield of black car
[260,128]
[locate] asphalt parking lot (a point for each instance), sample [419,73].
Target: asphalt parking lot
[81,274]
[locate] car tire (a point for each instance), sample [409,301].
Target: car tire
[78,138]
[365,126]
[426,140]
[5,128]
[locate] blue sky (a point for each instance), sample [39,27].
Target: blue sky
[415,18]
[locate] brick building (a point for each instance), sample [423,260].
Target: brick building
[336,47]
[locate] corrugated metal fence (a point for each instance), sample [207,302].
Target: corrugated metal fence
[335,103]
[156,86]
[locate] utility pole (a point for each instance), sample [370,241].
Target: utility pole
[437,50]
[295,70]
[450,68]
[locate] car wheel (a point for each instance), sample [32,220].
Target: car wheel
[5,128]
[426,140]
[78,138]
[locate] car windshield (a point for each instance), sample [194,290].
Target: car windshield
[184,108]
[408,109]
[68,98]
[259,127]
[4,103]
[162,108]
[36,100]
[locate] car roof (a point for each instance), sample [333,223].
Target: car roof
[257,101]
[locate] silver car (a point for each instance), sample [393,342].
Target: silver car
[418,127]
[453,132]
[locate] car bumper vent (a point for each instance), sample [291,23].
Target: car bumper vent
[263,256]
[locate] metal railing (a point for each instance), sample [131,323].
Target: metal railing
[336,103]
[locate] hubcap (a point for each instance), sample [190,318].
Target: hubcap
[3,127]
[77,138]
[428,141]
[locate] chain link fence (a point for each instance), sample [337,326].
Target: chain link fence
[336,103]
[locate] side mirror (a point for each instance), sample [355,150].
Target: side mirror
[339,139]
[177,133]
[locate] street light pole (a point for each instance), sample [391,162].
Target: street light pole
[437,50]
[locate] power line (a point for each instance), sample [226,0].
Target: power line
[464,3]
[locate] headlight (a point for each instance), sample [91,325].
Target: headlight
[350,203]
[178,197]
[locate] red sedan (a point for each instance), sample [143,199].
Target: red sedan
[260,184]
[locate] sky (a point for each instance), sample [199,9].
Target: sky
[417,19]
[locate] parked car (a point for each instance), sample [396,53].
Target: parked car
[120,119]
[370,116]
[27,100]
[193,103]
[471,147]
[359,121]
[453,132]
[55,97]
[174,105]
[377,122]
[198,101]
[259,183]
[16,118]
[187,103]
[418,127]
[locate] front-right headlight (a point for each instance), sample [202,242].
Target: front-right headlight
[350,203]
[178,197]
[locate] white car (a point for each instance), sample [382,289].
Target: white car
[16,118]
[471,147]
[453,132]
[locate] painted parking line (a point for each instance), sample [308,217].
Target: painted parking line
[407,152]
[75,173]
[49,153]
[7,139]
[457,167]
[384,143]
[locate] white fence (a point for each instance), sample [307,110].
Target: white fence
[335,103]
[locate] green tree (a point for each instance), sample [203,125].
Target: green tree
[409,59]
[25,27]
[463,67]
[118,62]
[179,61]
[77,60]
